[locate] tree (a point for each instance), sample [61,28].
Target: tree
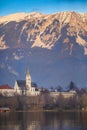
[72,86]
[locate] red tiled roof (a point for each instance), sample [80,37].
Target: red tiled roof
[5,86]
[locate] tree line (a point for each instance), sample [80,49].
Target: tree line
[45,102]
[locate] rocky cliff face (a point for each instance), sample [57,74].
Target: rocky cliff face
[54,46]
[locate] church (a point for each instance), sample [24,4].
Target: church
[26,87]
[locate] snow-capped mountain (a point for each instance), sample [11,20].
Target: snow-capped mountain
[44,30]
[46,41]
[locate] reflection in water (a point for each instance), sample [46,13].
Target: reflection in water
[43,121]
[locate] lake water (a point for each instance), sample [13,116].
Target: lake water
[43,121]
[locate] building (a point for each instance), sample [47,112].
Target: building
[21,87]
[26,87]
[69,94]
[6,90]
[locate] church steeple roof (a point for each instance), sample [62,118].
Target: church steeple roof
[27,71]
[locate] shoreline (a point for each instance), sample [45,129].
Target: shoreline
[59,111]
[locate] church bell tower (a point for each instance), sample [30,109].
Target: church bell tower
[28,80]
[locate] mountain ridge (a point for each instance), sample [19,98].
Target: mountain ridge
[53,45]
[46,29]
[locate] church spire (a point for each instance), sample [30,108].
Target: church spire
[28,79]
[27,71]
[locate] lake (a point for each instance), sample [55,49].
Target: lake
[43,121]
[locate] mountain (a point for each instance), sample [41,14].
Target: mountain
[54,46]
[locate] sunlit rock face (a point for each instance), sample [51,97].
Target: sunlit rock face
[54,47]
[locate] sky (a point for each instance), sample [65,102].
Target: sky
[43,6]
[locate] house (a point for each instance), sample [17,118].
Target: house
[6,90]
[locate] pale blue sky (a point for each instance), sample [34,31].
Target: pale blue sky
[43,6]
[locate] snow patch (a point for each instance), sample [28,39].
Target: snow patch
[39,43]
[82,42]
[2,43]
[19,17]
